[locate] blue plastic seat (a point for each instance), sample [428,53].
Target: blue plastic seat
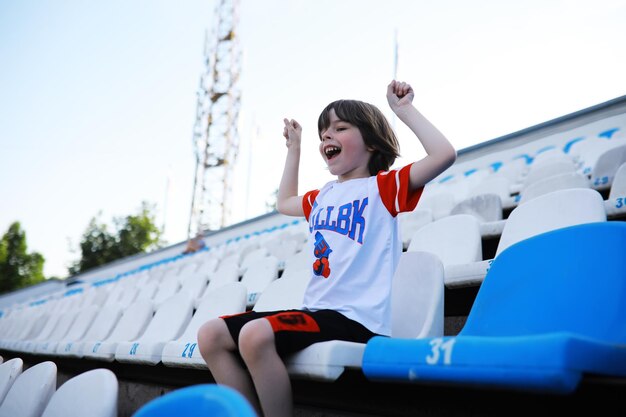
[550,310]
[198,400]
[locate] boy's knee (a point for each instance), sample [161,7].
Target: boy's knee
[255,338]
[210,335]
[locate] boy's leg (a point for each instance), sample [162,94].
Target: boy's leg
[220,353]
[258,349]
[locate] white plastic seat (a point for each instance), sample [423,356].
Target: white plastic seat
[227,299]
[102,325]
[283,294]
[186,269]
[606,166]
[246,247]
[115,294]
[195,283]
[30,393]
[550,155]
[550,211]
[48,344]
[615,205]
[28,345]
[225,273]
[93,393]
[496,184]
[29,324]
[553,183]
[96,295]
[587,153]
[253,257]
[84,319]
[440,203]
[417,311]
[548,169]
[9,371]
[208,263]
[410,222]
[455,239]
[258,277]
[168,287]
[284,246]
[147,291]
[296,262]
[513,170]
[168,323]
[485,207]
[130,294]
[131,325]
[618,186]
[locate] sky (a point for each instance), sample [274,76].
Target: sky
[98,99]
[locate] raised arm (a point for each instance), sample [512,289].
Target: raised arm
[288,201]
[440,154]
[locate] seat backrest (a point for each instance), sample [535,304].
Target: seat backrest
[513,170]
[553,183]
[104,322]
[410,222]
[63,325]
[208,264]
[31,391]
[283,248]
[540,171]
[133,322]
[9,371]
[194,282]
[48,328]
[148,291]
[297,262]
[494,184]
[259,275]
[605,168]
[84,319]
[168,287]
[227,299]
[117,289]
[440,203]
[226,272]
[565,280]
[283,294]
[551,211]
[618,186]
[170,319]
[97,390]
[130,294]
[485,207]
[455,239]
[589,152]
[417,296]
[253,257]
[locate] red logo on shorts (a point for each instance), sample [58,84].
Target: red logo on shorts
[293,321]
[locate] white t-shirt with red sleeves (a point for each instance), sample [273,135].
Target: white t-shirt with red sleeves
[355,245]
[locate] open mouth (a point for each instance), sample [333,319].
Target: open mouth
[331,152]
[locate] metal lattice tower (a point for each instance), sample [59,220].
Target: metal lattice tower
[215,135]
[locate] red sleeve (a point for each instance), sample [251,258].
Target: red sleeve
[393,187]
[307,202]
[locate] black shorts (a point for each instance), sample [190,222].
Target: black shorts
[296,329]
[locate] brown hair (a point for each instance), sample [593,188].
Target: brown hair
[374,127]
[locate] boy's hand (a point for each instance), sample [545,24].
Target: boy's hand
[399,94]
[292,132]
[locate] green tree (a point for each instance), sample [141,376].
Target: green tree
[18,268]
[133,234]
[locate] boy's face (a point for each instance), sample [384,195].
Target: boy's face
[343,149]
